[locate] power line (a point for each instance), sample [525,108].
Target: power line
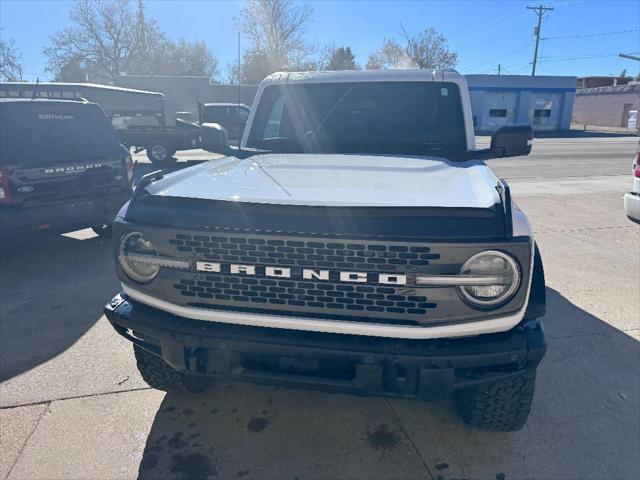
[493,61]
[507,18]
[539,11]
[586,57]
[619,32]
[582,55]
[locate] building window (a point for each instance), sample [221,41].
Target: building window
[498,112]
[546,113]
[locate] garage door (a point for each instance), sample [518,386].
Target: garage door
[499,109]
[545,110]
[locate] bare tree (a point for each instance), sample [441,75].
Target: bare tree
[103,38]
[187,58]
[275,31]
[109,38]
[390,55]
[427,49]
[10,66]
[150,44]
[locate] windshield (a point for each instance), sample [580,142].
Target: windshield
[38,133]
[368,117]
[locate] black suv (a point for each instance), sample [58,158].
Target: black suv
[231,116]
[62,167]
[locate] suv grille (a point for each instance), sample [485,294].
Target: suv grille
[394,304]
[366,256]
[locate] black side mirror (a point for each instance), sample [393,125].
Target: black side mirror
[214,138]
[512,141]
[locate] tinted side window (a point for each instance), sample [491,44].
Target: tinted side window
[215,114]
[274,120]
[240,115]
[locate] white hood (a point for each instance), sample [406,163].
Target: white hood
[337,180]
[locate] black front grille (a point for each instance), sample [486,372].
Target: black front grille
[310,294]
[365,256]
[392,303]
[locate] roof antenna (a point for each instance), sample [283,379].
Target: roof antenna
[35,90]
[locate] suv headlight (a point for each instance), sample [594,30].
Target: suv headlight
[500,276]
[134,255]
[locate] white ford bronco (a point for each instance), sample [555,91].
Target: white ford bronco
[355,241]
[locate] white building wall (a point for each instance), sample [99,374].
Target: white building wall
[544,102]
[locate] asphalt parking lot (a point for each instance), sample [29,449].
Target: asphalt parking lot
[72,405]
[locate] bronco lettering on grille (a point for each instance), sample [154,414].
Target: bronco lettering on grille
[304,273]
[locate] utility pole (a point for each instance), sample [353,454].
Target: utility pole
[540,12]
[499,68]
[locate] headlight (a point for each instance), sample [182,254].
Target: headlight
[498,277]
[134,247]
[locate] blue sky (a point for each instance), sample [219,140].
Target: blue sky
[484,33]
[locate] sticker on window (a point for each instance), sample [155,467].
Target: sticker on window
[55,116]
[444,92]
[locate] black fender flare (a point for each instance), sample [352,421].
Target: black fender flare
[537,305]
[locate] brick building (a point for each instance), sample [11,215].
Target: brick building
[606,106]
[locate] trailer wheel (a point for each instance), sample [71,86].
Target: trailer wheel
[160,153]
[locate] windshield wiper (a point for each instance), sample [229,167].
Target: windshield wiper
[311,134]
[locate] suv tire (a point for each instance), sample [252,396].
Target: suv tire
[502,406]
[159,375]
[160,153]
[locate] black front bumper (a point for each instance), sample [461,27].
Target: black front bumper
[429,369]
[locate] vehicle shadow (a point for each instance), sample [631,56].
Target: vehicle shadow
[584,424]
[575,133]
[51,287]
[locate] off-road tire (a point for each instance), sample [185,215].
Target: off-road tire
[159,375]
[501,406]
[160,153]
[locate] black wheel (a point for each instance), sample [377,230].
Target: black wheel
[103,231]
[159,375]
[160,153]
[502,406]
